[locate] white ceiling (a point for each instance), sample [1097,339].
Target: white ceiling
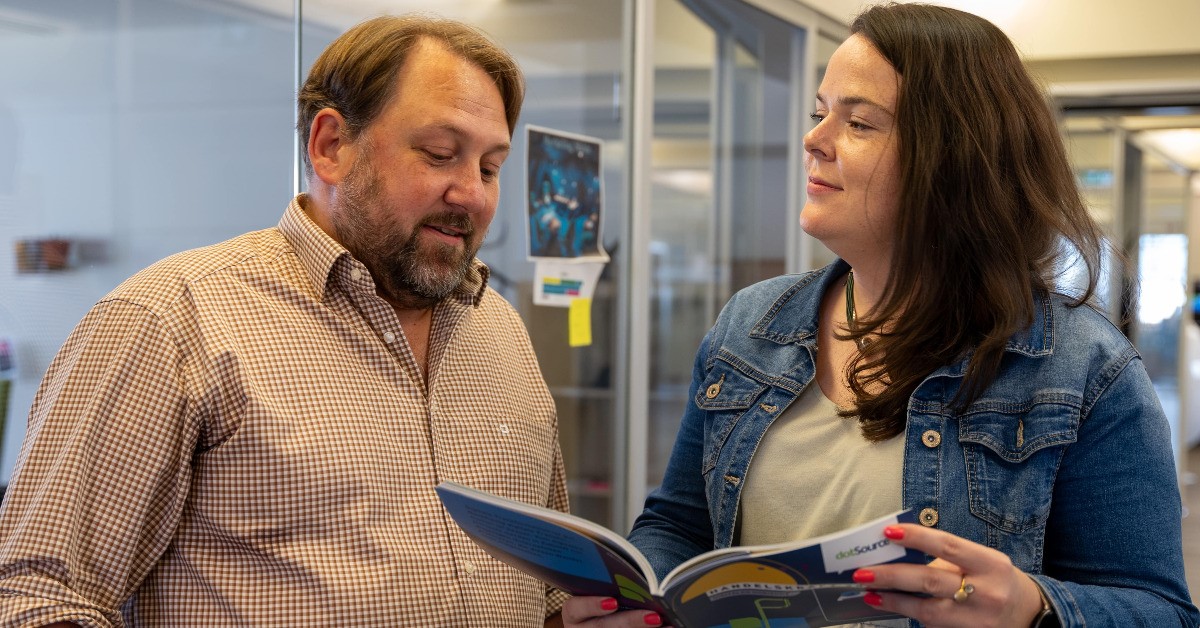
[1066,29]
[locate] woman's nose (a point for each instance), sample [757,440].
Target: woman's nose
[816,144]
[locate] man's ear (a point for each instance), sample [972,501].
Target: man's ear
[330,153]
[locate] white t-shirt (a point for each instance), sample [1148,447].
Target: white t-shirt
[814,474]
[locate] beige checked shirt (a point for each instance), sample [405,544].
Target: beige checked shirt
[240,436]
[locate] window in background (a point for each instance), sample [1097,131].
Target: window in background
[1162,260]
[1141,193]
[727,121]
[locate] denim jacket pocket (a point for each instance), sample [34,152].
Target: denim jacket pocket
[724,395]
[1012,455]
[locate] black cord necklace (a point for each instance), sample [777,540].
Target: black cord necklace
[851,317]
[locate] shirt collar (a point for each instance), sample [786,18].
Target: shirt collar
[319,253]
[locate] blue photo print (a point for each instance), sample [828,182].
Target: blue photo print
[564,192]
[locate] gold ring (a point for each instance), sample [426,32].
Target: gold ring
[964,590]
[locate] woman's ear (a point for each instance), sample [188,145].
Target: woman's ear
[328,148]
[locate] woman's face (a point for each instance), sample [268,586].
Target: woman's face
[852,156]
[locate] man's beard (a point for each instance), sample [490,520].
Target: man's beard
[404,274]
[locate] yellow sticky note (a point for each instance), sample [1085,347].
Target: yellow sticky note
[579,322]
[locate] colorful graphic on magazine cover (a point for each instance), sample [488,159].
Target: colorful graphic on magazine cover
[760,592]
[806,586]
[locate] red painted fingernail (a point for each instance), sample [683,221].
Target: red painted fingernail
[864,576]
[609,604]
[894,532]
[652,619]
[873,599]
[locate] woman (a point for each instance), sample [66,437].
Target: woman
[934,367]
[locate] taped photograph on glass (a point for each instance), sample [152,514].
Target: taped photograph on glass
[565,195]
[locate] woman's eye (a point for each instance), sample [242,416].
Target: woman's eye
[439,157]
[816,117]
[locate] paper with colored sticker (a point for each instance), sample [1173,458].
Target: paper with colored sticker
[559,283]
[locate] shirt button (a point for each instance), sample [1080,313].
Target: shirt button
[468,568]
[389,337]
[356,274]
[928,517]
[931,438]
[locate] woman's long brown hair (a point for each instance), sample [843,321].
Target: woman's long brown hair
[989,210]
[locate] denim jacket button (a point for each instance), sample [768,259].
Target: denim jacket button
[928,517]
[931,438]
[715,389]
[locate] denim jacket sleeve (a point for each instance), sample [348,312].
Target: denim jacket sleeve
[1113,548]
[676,524]
[750,366]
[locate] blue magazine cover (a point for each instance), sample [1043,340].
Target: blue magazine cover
[792,585]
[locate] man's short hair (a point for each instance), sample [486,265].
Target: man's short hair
[356,74]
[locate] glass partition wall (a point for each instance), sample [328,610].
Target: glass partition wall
[1142,194]
[139,128]
[731,98]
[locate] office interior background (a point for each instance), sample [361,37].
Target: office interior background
[133,129]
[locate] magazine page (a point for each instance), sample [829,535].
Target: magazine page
[568,552]
[805,583]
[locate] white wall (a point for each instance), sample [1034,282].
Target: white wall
[148,139]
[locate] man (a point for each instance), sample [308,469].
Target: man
[250,433]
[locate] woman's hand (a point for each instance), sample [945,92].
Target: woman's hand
[601,612]
[967,584]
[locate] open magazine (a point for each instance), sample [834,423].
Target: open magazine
[801,583]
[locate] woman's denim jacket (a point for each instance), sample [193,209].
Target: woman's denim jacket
[1064,463]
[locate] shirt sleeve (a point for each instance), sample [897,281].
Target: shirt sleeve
[103,473]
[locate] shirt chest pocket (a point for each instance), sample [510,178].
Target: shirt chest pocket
[725,395]
[1012,456]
